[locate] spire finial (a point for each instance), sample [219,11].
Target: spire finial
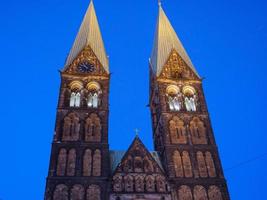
[136,132]
[159,2]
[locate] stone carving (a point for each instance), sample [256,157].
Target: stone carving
[128,164]
[138,164]
[139,183]
[187,164]
[71,128]
[161,186]
[184,193]
[201,165]
[61,192]
[117,183]
[97,163]
[198,131]
[214,193]
[61,162]
[128,182]
[178,166]
[87,163]
[210,164]
[71,162]
[200,193]
[77,193]
[148,166]
[177,131]
[150,183]
[93,129]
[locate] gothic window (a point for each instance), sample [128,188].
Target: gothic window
[198,131]
[97,163]
[185,193]
[75,99]
[150,183]
[61,162]
[87,162]
[75,96]
[93,129]
[71,128]
[210,165]
[128,165]
[174,98]
[177,131]
[61,192]
[93,193]
[214,193]
[93,100]
[71,162]
[187,164]
[148,166]
[77,192]
[200,193]
[128,182]
[178,166]
[201,165]
[190,98]
[139,183]
[161,185]
[138,164]
[117,183]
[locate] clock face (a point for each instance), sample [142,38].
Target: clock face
[86,67]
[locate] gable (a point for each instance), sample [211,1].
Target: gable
[176,68]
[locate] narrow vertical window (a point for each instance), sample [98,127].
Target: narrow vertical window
[178,166]
[187,164]
[201,165]
[200,193]
[61,162]
[184,193]
[210,164]
[97,163]
[87,163]
[77,192]
[61,192]
[71,162]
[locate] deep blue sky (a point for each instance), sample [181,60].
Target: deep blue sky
[227,41]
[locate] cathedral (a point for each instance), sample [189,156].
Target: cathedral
[185,163]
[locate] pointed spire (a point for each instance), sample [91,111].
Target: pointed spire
[89,34]
[165,40]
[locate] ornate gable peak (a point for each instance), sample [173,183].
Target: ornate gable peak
[165,40]
[89,35]
[138,159]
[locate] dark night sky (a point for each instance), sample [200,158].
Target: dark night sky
[226,40]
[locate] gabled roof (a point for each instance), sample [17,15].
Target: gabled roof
[117,157]
[165,40]
[89,35]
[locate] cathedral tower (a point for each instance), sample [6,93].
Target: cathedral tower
[182,129]
[79,164]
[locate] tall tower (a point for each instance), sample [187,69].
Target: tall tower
[79,163]
[182,129]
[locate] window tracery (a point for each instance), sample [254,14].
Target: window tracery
[177,131]
[93,128]
[94,91]
[174,98]
[185,193]
[71,128]
[178,166]
[198,131]
[190,98]
[75,96]
[200,193]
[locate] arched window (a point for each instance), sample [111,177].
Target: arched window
[61,192]
[77,192]
[214,193]
[71,162]
[178,166]
[150,183]
[61,162]
[174,98]
[128,183]
[97,163]
[190,98]
[185,193]
[71,128]
[177,131]
[198,131]
[200,193]
[87,162]
[75,96]
[187,164]
[93,129]
[210,164]
[139,183]
[201,165]
[94,91]
[93,193]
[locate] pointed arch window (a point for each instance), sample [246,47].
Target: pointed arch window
[198,131]
[178,166]
[61,162]
[210,164]
[87,163]
[77,192]
[177,131]
[200,193]
[71,162]
[93,193]
[94,92]
[190,98]
[71,128]
[93,128]
[185,193]
[201,165]
[97,163]
[214,193]
[75,96]
[174,98]
[61,192]
[187,164]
